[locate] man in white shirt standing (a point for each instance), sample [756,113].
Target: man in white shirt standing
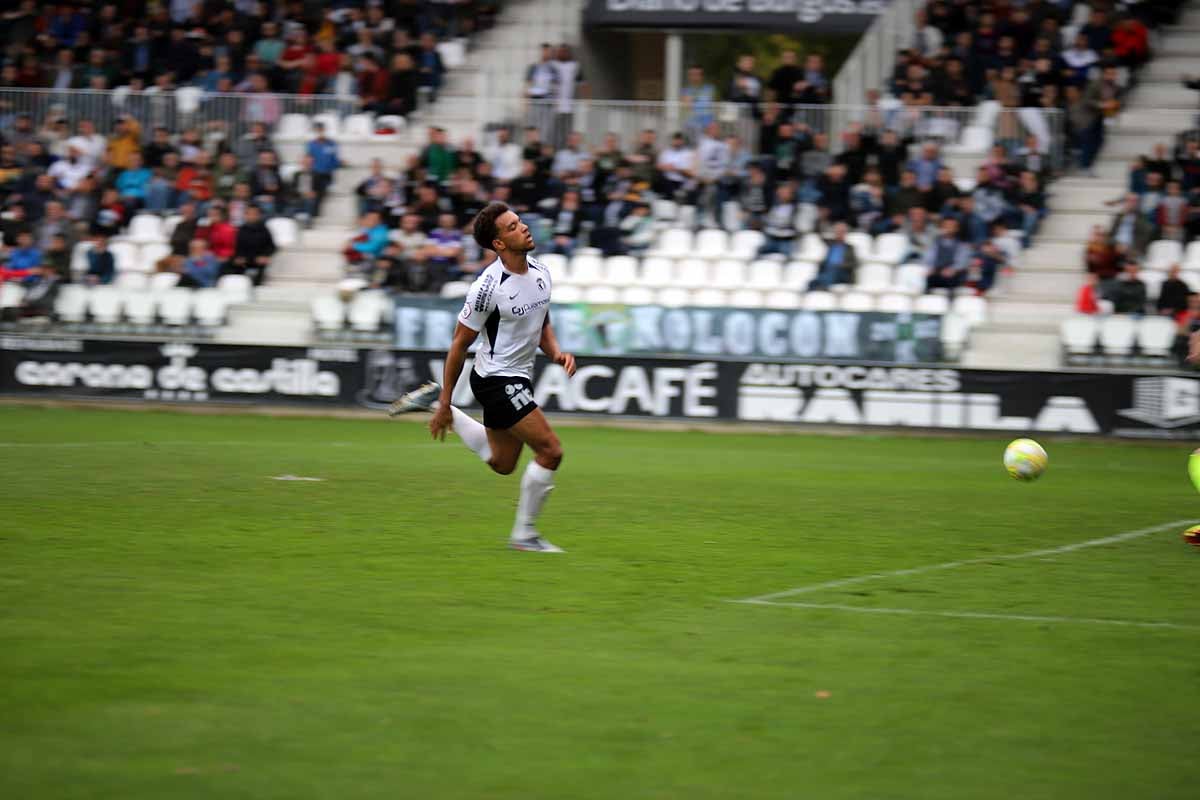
[570,83]
[677,169]
[505,157]
[541,83]
[712,161]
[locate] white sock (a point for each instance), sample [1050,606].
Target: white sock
[536,483]
[473,434]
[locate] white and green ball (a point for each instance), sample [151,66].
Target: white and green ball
[1025,459]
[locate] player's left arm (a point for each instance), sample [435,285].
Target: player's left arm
[549,345]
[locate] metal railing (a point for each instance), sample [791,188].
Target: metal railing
[213,114]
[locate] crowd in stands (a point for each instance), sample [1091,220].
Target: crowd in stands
[63,181]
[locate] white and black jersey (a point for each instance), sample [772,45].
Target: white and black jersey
[510,310]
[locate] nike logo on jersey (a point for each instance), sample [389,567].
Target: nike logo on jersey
[513,296]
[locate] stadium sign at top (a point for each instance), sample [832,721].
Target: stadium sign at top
[820,16]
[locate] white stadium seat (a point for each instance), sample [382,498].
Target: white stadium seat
[1117,334]
[746,298]
[132,281]
[709,298]
[657,272]
[955,332]
[665,210]
[568,294]
[456,290]
[673,297]
[745,245]
[931,304]
[556,263]
[764,275]
[894,303]
[125,256]
[392,122]
[812,248]
[145,228]
[910,278]
[140,307]
[1163,253]
[637,296]
[1191,257]
[973,308]
[161,281]
[782,299]
[150,254]
[797,275]
[328,312]
[209,306]
[819,301]
[236,288]
[601,295]
[11,294]
[687,217]
[175,306]
[284,231]
[692,274]
[711,243]
[586,270]
[1079,333]
[873,278]
[187,99]
[674,243]
[728,274]
[71,303]
[1153,278]
[79,262]
[856,301]
[890,248]
[104,304]
[863,244]
[367,310]
[1192,279]
[620,271]
[358,128]
[293,128]
[169,223]
[1156,336]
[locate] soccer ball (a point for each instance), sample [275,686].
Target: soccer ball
[1025,459]
[1192,536]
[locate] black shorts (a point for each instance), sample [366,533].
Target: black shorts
[506,400]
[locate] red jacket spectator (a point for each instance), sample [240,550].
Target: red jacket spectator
[1131,42]
[1086,301]
[196,181]
[222,239]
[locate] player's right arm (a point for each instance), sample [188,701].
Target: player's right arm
[443,420]
[478,306]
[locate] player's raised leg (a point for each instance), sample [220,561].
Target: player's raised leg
[537,481]
[471,431]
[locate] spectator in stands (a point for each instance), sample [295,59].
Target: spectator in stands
[1131,228]
[779,224]
[58,257]
[920,233]
[1078,61]
[325,162]
[567,222]
[41,288]
[430,68]
[785,77]
[1130,42]
[505,156]
[303,192]
[220,235]
[414,249]
[745,86]
[1171,214]
[570,83]
[985,264]
[541,80]
[102,267]
[372,237]
[201,268]
[253,249]
[24,257]
[125,142]
[839,264]
[438,157]
[637,229]
[1087,300]
[445,254]
[1099,255]
[947,258]
[403,81]
[676,170]
[1101,99]
[697,99]
[1128,293]
[55,222]
[1173,294]
[926,167]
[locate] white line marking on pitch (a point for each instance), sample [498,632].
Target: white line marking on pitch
[973,615]
[294,478]
[1050,551]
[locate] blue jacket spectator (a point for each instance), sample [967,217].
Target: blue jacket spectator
[371,239]
[201,269]
[133,181]
[839,264]
[926,166]
[24,257]
[324,153]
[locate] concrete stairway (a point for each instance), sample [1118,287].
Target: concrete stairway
[1022,329]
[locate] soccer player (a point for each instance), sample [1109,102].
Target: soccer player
[510,303]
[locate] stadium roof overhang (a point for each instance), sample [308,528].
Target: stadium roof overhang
[781,16]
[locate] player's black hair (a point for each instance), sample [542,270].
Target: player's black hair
[484,227]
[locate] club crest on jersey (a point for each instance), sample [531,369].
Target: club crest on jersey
[466,312]
[541,285]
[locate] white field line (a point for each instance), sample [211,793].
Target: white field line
[1050,551]
[975,615]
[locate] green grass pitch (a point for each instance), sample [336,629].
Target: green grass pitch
[176,624]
